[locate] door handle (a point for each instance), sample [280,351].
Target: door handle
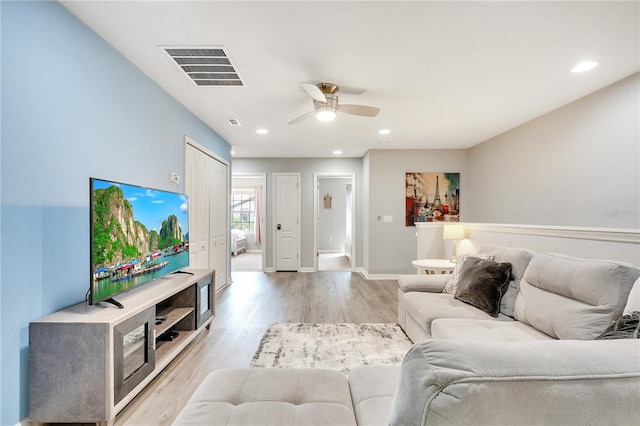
[279,227]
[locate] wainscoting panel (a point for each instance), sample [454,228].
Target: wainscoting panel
[594,243]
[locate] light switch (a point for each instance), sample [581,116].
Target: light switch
[174,178]
[387,219]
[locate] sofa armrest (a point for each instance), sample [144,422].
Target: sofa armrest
[534,382]
[427,283]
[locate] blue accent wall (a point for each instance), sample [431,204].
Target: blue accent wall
[72,108]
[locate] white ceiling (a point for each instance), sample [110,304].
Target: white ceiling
[445,74]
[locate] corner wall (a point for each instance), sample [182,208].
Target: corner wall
[392,245]
[576,166]
[72,108]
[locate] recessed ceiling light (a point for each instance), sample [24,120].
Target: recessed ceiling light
[384,131]
[262,131]
[584,66]
[384,143]
[337,152]
[232,152]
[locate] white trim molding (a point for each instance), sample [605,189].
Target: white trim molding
[616,235]
[368,276]
[619,244]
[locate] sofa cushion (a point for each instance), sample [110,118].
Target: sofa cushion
[519,259]
[507,383]
[260,396]
[482,283]
[423,308]
[572,298]
[372,390]
[484,331]
[452,284]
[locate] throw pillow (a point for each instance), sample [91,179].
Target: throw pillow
[452,284]
[482,284]
[627,327]
[633,302]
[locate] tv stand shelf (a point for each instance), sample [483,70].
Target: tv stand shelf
[173,317]
[86,363]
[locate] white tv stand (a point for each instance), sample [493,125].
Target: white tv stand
[86,363]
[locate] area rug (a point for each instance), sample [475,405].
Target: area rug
[334,346]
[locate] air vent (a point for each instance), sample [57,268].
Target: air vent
[234,122]
[206,66]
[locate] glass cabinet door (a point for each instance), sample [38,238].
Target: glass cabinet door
[134,355]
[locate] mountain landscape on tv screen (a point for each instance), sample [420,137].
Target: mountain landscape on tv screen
[118,237]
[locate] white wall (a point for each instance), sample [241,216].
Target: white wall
[617,244]
[392,246]
[575,166]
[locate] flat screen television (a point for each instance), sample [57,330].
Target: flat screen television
[138,234]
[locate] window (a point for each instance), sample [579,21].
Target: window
[243,209]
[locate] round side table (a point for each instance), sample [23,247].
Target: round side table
[433,266]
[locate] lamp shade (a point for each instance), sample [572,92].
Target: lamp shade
[453,232]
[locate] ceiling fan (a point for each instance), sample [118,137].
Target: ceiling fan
[325,103]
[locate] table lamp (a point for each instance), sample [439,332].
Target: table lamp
[454,231]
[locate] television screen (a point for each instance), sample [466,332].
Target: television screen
[137,235]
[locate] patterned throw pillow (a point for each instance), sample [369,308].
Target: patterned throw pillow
[452,284]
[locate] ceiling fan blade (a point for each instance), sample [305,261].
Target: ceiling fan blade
[314,91]
[302,117]
[363,110]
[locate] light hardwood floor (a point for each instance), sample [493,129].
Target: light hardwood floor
[243,312]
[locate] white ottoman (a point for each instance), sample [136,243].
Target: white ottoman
[270,396]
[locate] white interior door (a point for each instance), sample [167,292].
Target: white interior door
[287,221]
[207,183]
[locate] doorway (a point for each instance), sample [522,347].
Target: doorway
[334,231]
[247,222]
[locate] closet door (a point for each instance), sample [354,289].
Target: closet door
[219,207]
[206,184]
[198,187]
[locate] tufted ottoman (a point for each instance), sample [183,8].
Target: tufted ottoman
[270,396]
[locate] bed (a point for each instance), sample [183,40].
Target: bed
[238,242]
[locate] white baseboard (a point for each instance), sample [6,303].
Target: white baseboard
[369,276]
[306,270]
[269,270]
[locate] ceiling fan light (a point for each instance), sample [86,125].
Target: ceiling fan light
[584,66]
[325,113]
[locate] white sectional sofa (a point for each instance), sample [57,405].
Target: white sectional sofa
[534,362]
[550,296]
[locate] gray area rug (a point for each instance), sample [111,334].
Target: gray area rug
[334,346]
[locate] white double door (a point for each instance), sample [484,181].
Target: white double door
[207,185]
